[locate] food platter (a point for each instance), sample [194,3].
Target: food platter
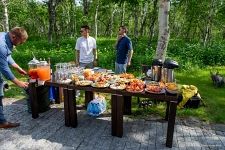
[127,76]
[100,85]
[172,91]
[123,80]
[117,86]
[84,83]
[129,90]
[163,91]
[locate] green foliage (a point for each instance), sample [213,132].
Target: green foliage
[188,55]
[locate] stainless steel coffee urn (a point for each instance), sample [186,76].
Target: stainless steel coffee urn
[156,70]
[168,70]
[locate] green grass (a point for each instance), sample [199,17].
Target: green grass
[213,97]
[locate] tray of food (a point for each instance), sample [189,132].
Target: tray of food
[154,89]
[100,84]
[172,88]
[83,83]
[118,86]
[127,76]
[135,86]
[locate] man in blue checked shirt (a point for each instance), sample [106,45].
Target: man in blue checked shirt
[14,37]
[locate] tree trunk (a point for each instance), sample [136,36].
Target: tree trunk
[6,16]
[52,19]
[143,21]
[152,23]
[112,20]
[123,13]
[96,20]
[163,37]
[136,23]
[209,24]
[85,7]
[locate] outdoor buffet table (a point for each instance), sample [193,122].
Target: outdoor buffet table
[120,101]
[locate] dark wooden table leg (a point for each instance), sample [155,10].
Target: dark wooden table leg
[57,98]
[171,124]
[66,107]
[61,94]
[167,110]
[72,107]
[33,100]
[117,115]
[88,97]
[127,105]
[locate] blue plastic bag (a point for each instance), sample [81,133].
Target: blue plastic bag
[96,107]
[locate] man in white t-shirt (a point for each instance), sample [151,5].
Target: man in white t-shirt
[85,49]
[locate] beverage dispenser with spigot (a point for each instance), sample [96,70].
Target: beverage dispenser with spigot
[44,72]
[32,69]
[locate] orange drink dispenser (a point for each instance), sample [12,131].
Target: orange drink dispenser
[32,69]
[43,71]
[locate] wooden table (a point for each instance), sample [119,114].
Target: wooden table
[120,101]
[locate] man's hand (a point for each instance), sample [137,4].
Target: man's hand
[95,63]
[21,71]
[20,83]
[128,63]
[23,84]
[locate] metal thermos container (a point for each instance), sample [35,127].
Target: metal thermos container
[168,70]
[167,75]
[156,70]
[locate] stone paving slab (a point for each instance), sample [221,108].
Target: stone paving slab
[48,132]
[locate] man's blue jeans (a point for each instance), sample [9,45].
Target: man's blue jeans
[2,117]
[120,68]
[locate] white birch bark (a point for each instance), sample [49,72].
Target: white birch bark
[96,20]
[6,16]
[163,37]
[114,9]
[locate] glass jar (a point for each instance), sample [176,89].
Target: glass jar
[32,68]
[44,71]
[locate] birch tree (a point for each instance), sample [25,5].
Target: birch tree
[143,17]
[96,20]
[153,19]
[52,4]
[85,7]
[6,16]
[163,37]
[209,23]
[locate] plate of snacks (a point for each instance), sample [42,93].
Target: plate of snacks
[172,88]
[135,86]
[100,84]
[154,89]
[127,76]
[83,83]
[118,86]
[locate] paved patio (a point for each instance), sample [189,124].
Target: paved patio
[48,132]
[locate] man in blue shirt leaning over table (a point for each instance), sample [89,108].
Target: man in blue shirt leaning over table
[124,51]
[14,37]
